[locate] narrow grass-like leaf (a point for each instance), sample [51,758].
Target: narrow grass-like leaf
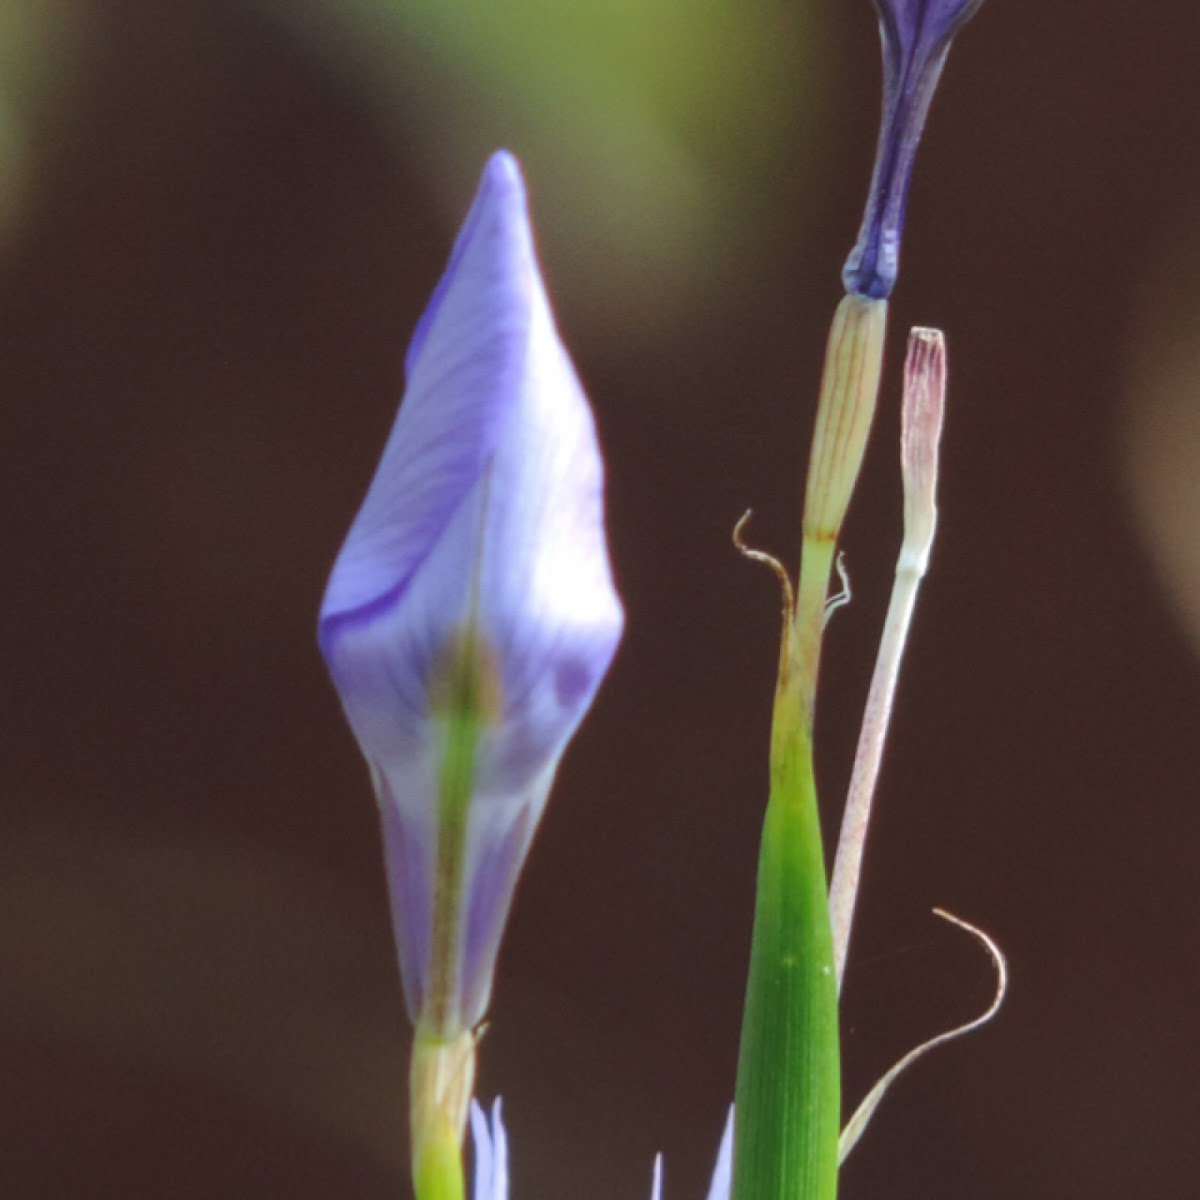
[788,1089]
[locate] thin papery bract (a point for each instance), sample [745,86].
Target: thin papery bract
[471,613]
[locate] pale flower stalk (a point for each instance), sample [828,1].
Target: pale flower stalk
[922,413]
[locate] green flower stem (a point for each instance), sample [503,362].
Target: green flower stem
[788,1095]
[441,1081]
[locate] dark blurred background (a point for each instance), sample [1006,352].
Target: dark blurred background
[219,222]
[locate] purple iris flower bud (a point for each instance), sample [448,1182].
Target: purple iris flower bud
[471,612]
[916,36]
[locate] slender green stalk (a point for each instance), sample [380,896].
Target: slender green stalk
[458,774]
[788,1096]
[440,1084]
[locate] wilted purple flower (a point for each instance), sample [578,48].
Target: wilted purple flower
[471,613]
[916,36]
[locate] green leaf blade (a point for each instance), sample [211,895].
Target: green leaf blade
[788,1098]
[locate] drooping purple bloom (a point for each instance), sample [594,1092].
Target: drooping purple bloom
[916,37]
[478,554]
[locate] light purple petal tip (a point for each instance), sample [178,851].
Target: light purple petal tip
[481,1139]
[464,376]
[500,184]
[722,1180]
[657,1178]
[491,1153]
[916,36]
